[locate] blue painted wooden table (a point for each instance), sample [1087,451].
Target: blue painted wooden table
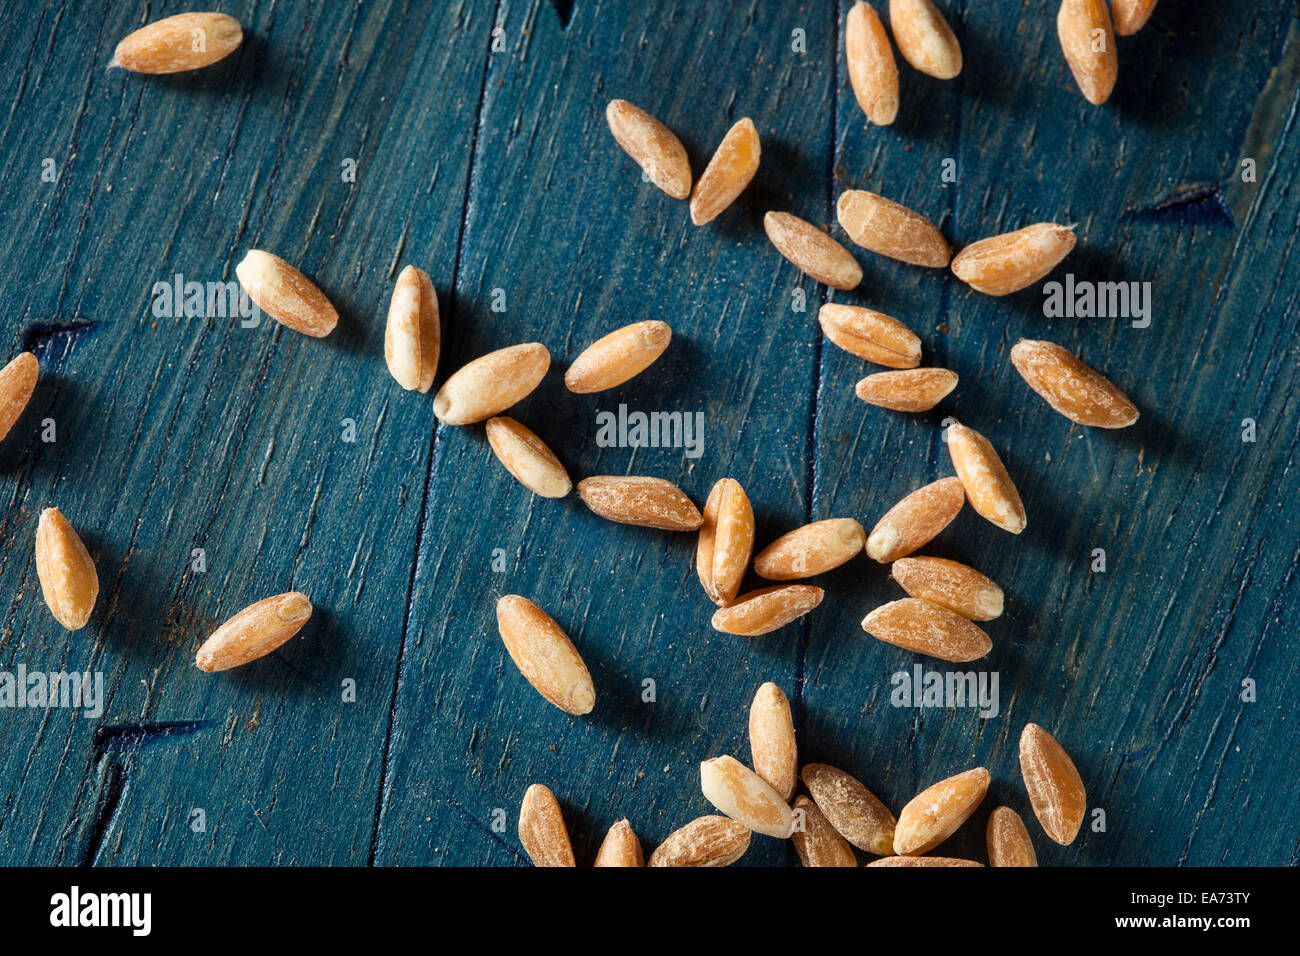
[476,131]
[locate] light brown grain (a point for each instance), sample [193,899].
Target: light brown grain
[924,38]
[187,41]
[816,841]
[1055,788]
[890,229]
[729,171]
[772,746]
[542,830]
[870,335]
[873,73]
[1131,15]
[914,521]
[926,628]
[705,841]
[620,847]
[949,584]
[254,632]
[767,609]
[1001,265]
[812,251]
[853,810]
[66,570]
[907,390]
[619,356]
[812,549]
[936,812]
[654,147]
[17,383]
[545,655]
[923,861]
[1008,840]
[527,458]
[491,383]
[745,797]
[1071,387]
[1088,43]
[726,541]
[638,500]
[989,488]
[413,334]
[285,294]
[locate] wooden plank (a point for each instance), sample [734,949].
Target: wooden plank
[188,433]
[561,221]
[494,171]
[1137,670]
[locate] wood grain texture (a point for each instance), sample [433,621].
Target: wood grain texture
[493,170]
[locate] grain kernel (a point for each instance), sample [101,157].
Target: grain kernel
[1055,788]
[852,809]
[726,541]
[705,841]
[655,147]
[812,251]
[951,585]
[771,740]
[935,813]
[767,609]
[633,499]
[491,383]
[988,486]
[527,458]
[1071,387]
[870,335]
[926,628]
[813,549]
[1008,840]
[890,229]
[285,294]
[542,830]
[618,356]
[907,390]
[254,632]
[620,847]
[1088,43]
[729,171]
[69,582]
[1013,261]
[817,843]
[872,71]
[17,383]
[186,41]
[413,335]
[545,655]
[924,38]
[914,521]
[743,795]
[1131,15]
[923,861]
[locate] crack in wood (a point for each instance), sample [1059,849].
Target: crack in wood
[113,776]
[1196,202]
[122,737]
[563,10]
[41,338]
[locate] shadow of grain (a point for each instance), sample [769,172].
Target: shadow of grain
[1155,63]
